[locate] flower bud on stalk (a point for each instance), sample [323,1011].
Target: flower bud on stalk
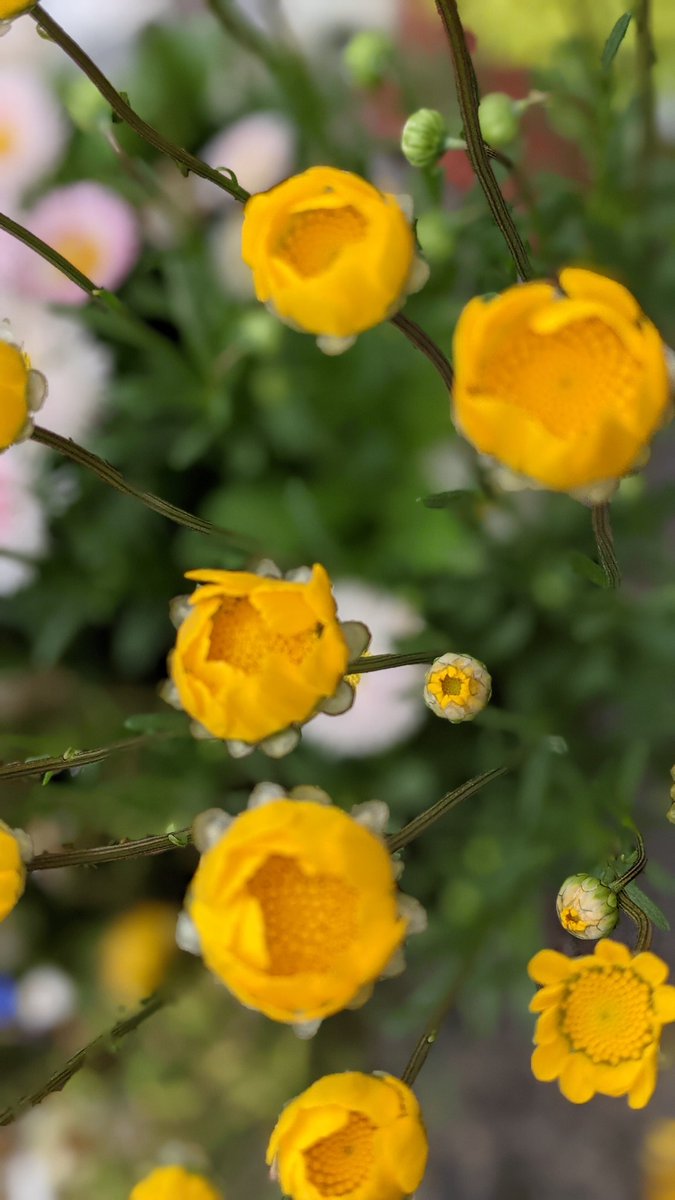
[367,58]
[423,138]
[586,908]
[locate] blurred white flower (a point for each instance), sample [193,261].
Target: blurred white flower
[388,705]
[106,28]
[47,997]
[233,273]
[259,148]
[32,131]
[316,20]
[26,1176]
[22,522]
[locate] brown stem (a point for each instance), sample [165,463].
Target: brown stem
[604,540]
[427,346]
[642,922]
[120,852]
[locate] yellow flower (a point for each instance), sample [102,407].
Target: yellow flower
[136,950]
[13,8]
[457,687]
[658,1162]
[600,1023]
[295,907]
[22,391]
[564,390]
[174,1183]
[353,1136]
[15,851]
[330,253]
[256,657]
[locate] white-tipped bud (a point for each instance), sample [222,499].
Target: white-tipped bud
[457,687]
[586,908]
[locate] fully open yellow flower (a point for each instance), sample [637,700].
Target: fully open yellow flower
[174,1183]
[296,909]
[136,950]
[566,390]
[256,654]
[329,252]
[352,1136]
[12,869]
[22,391]
[601,1020]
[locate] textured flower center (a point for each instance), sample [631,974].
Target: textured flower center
[566,379]
[7,140]
[607,1015]
[572,919]
[83,252]
[338,1164]
[312,240]
[450,685]
[240,637]
[308,919]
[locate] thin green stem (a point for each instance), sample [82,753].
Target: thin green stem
[421,340]
[604,540]
[75,758]
[383,662]
[641,920]
[637,868]
[428,1038]
[182,157]
[95,856]
[426,819]
[469,98]
[646,57]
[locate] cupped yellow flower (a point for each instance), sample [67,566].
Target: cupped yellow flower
[564,389]
[136,950]
[352,1136]
[296,909]
[12,869]
[174,1183]
[601,1020]
[255,654]
[330,253]
[457,687]
[14,8]
[19,392]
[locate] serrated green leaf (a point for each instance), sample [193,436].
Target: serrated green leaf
[169,722]
[614,40]
[649,908]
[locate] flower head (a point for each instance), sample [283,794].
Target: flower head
[457,687]
[601,1020]
[136,950]
[564,389]
[22,390]
[259,148]
[15,851]
[350,1135]
[257,655]
[586,908]
[174,1183]
[295,905]
[329,252]
[32,131]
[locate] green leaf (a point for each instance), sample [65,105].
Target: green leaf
[459,498]
[614,40]
[169,722]
[588,569]
[649,908]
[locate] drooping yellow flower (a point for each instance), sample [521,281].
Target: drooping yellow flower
[14,852]
[601,1020]
[256,656]
[457,687]
[564,389]
[350,1136]
[296,909]
[330,253]
[136,950]
[22,391]
[174,1183]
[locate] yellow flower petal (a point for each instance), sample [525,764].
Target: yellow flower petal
[588,285]
[577,1079]
[546,997]
[174,1183]
[548,1027]
[612,952]
[13,392]
[664,1004]
[548,966]
[643,1089]
[651,968]
[548,1060]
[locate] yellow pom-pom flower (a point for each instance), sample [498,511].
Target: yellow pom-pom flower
[601,1020]
[136,950]
[15,852]
[330,254]
[22,391]
[257,656]
[294,904]
[174,1183]
[457,687]
[350,1135]
[563,389]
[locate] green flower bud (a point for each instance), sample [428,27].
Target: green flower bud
[86,106]
[437,235]
[423,137]
[586,908]
[367,58]
[499,119]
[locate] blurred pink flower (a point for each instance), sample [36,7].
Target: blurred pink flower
[91,226]
[22,522]
[259,148]
[32,131]
[388,706]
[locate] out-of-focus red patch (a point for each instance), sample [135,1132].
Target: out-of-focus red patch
[420,26]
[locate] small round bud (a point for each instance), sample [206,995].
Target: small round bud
[457,687]
[437,235]
[423,137]
[499,119]
[586,908]
[367,58]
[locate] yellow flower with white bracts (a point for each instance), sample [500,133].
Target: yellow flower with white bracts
[350,1136]
[330,254]
[22,390]
[258,655]
[15,851]
[457,687]
[562,389]
[174,1183]
[600,1021]
[294,904]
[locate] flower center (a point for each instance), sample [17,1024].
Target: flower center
[7,140]
[311,241]
[338,1164]
[452,686]
[240,637]
[308,919]
[572,919]
[83,252]
[567,379]
[608,1016]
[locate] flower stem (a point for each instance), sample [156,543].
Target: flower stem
[183,158]
[604,540]
[426,1041]
[427,346]
[469,98]
[74,758]
[88,1055]
[642,922]
[637,868]
[426,819]
[94,856]
[112,476]
[382,662]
